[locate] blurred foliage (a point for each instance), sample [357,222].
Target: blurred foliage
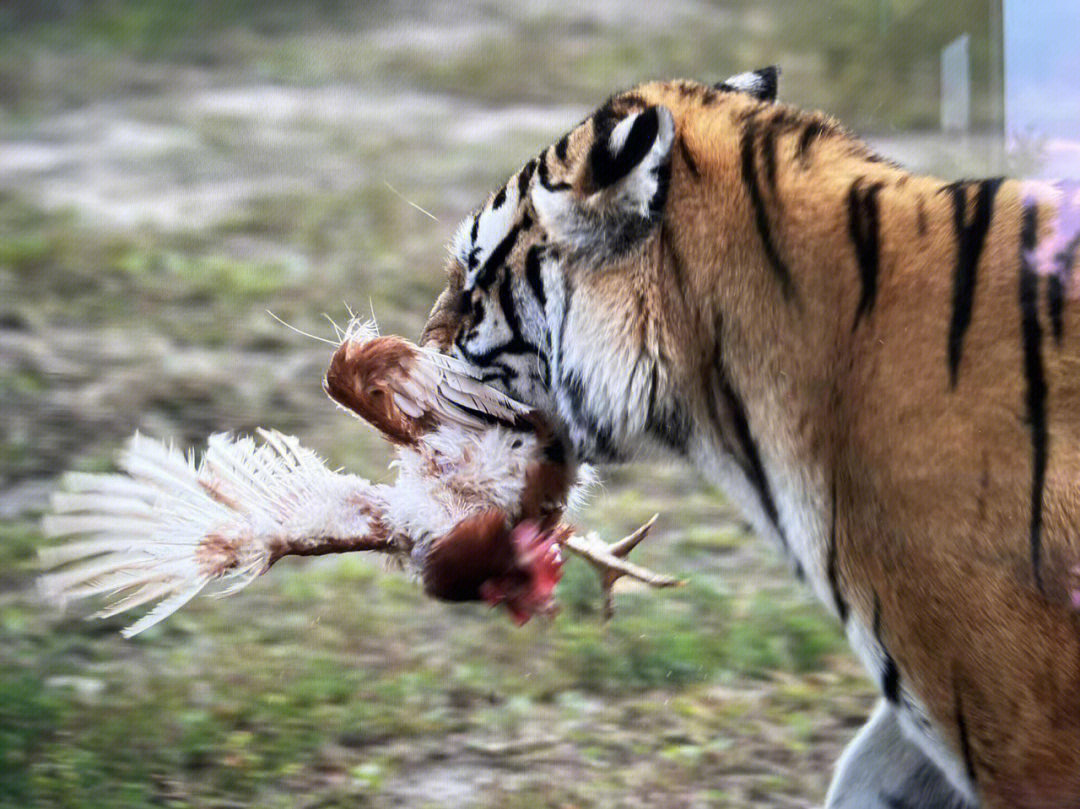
[224,705]
[168,29]
[873,64]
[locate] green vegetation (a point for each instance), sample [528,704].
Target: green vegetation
[329,676]
[53,263]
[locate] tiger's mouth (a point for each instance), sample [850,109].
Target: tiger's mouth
[561,448]
[544,407]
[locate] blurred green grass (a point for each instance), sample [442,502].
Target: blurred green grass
[333,667]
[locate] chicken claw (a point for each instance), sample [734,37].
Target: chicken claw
[610,563]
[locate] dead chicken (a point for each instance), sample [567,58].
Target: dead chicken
[482,484]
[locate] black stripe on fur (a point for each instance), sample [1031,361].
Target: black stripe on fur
[890,673]
[863,227]
[768,154]
[524,176]
[962,731]
[744,438]
[666,418]
[813,130]
[497,257]
[533,274]
[688,159]
[608,168]
[970,238]
[761,216]
[1058,284]
[831,565]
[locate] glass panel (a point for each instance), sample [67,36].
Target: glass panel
[1042,97]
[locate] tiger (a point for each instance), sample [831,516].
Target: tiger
[879,368]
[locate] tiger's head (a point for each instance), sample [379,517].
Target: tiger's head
[567,289]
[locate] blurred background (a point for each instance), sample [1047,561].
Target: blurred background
[171,171]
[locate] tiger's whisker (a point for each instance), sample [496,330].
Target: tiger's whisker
[301,331]
[410,202]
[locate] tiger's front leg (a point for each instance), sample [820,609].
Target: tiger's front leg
[882,769]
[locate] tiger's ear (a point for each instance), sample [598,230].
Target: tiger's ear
[618,191]
[761,83]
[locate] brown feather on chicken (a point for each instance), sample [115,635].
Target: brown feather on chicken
[406,391]
[481,487]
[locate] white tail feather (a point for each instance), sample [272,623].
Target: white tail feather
[64,503]
[167,528]
[164,609]
[105,524]
[151,591]
[84,549]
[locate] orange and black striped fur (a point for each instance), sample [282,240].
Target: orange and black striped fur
[882,369]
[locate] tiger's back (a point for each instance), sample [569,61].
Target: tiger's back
[877,366]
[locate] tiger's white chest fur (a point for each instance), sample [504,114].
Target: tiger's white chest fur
[802,533]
